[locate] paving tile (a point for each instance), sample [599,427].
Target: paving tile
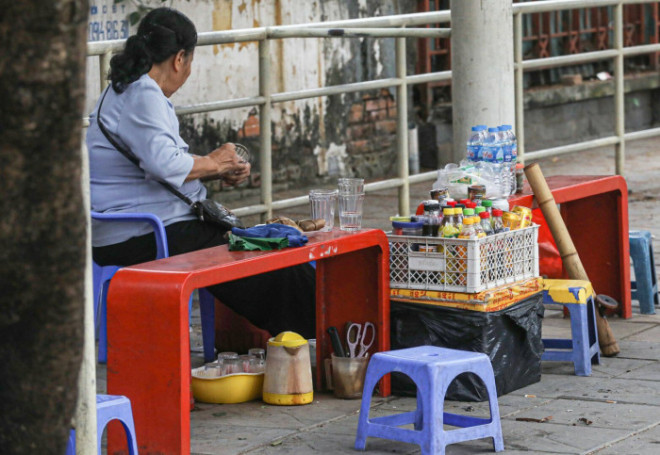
[632,349]
[622,329]
[548,437]
[644,443]
[652,335]
[648,372]
[631,417]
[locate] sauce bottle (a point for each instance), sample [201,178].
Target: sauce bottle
[485,223]
[498,225]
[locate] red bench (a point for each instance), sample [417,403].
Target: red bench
[595,210]
[148,336]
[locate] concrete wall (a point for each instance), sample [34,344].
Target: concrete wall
[316,139]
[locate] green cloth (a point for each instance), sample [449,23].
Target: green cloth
[237,243]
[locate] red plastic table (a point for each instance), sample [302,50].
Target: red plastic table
[595,210]
[148,334]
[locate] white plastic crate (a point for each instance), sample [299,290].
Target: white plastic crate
[462,265]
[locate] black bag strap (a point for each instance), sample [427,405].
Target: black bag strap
[132,157]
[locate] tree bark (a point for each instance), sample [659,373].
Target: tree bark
[42,221]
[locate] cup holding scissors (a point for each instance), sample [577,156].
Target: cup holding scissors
[356,334]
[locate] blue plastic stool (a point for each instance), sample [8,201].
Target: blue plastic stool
[432,369]
[582,349]
[103,275]
[645,288]
[110,407]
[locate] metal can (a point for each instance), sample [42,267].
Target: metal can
[525,215]
[423,248]
[476,192]
[511,220]
[440,194]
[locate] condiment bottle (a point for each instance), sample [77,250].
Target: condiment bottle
[431,211]
[488,204]
[476,222]
[468,231]
[458,216]
[448,227]
[485,223]
[496,221]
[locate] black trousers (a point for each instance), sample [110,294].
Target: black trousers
[276,301]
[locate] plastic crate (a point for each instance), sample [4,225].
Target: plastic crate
[462,265]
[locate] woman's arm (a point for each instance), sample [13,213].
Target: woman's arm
[221,163]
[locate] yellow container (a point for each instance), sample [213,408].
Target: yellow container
[288,377]
[232,388]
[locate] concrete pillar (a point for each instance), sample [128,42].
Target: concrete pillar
[482,67]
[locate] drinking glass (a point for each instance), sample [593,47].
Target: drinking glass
[350,186]
[322,205]
[350,212]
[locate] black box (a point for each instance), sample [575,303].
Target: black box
[511,337]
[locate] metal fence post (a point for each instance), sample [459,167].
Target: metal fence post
[518,82]
[619,93]
[402,127]
[265,157]
[104,68]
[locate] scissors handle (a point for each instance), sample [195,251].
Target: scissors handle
[353,338]
[364,347]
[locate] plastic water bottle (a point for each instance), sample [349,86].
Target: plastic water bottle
[514,156]
[506,159]
[475,143]
[493,156]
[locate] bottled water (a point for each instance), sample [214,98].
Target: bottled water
[505,140]
[475,143]
[493,157]
[514,156]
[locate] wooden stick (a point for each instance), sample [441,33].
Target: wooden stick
[569,256]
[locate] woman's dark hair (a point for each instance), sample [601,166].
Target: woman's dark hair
[162,33]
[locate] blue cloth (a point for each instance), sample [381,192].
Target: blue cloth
[274,230]
[142,119]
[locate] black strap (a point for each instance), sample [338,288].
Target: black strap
[132,157]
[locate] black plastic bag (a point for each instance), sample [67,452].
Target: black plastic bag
[510,337]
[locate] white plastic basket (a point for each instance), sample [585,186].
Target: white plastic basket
[462,265]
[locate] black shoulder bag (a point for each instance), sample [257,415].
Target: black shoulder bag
[206,210]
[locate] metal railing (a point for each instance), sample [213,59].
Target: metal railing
[388,26]
[618,53]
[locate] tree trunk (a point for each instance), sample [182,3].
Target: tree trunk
[42,221]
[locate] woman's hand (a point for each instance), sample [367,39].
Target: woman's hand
[233,170]
[222,163]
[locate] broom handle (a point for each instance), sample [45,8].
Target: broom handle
[567,251]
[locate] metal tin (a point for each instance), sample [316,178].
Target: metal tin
[440,194]
[476,192]
[525,215]
[511,220]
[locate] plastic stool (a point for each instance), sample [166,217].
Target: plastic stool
[645,288]
[582,349]
[110,407]
[432,369]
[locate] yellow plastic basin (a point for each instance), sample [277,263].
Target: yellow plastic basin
[232,388]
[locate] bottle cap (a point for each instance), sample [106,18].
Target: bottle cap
[506,127]
[487,203]
[519,166]
[497,212]
[431,205]
[479,209]
[468,212]
[458,211]
[464,201]
[493,129]
[484,215]
[471,204]
[462,206]
[452,203]
[468,220]
[448,211]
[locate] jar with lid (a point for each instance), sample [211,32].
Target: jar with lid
[431,221]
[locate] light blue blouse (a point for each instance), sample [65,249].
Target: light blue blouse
[142,119]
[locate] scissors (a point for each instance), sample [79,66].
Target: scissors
[355,337]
